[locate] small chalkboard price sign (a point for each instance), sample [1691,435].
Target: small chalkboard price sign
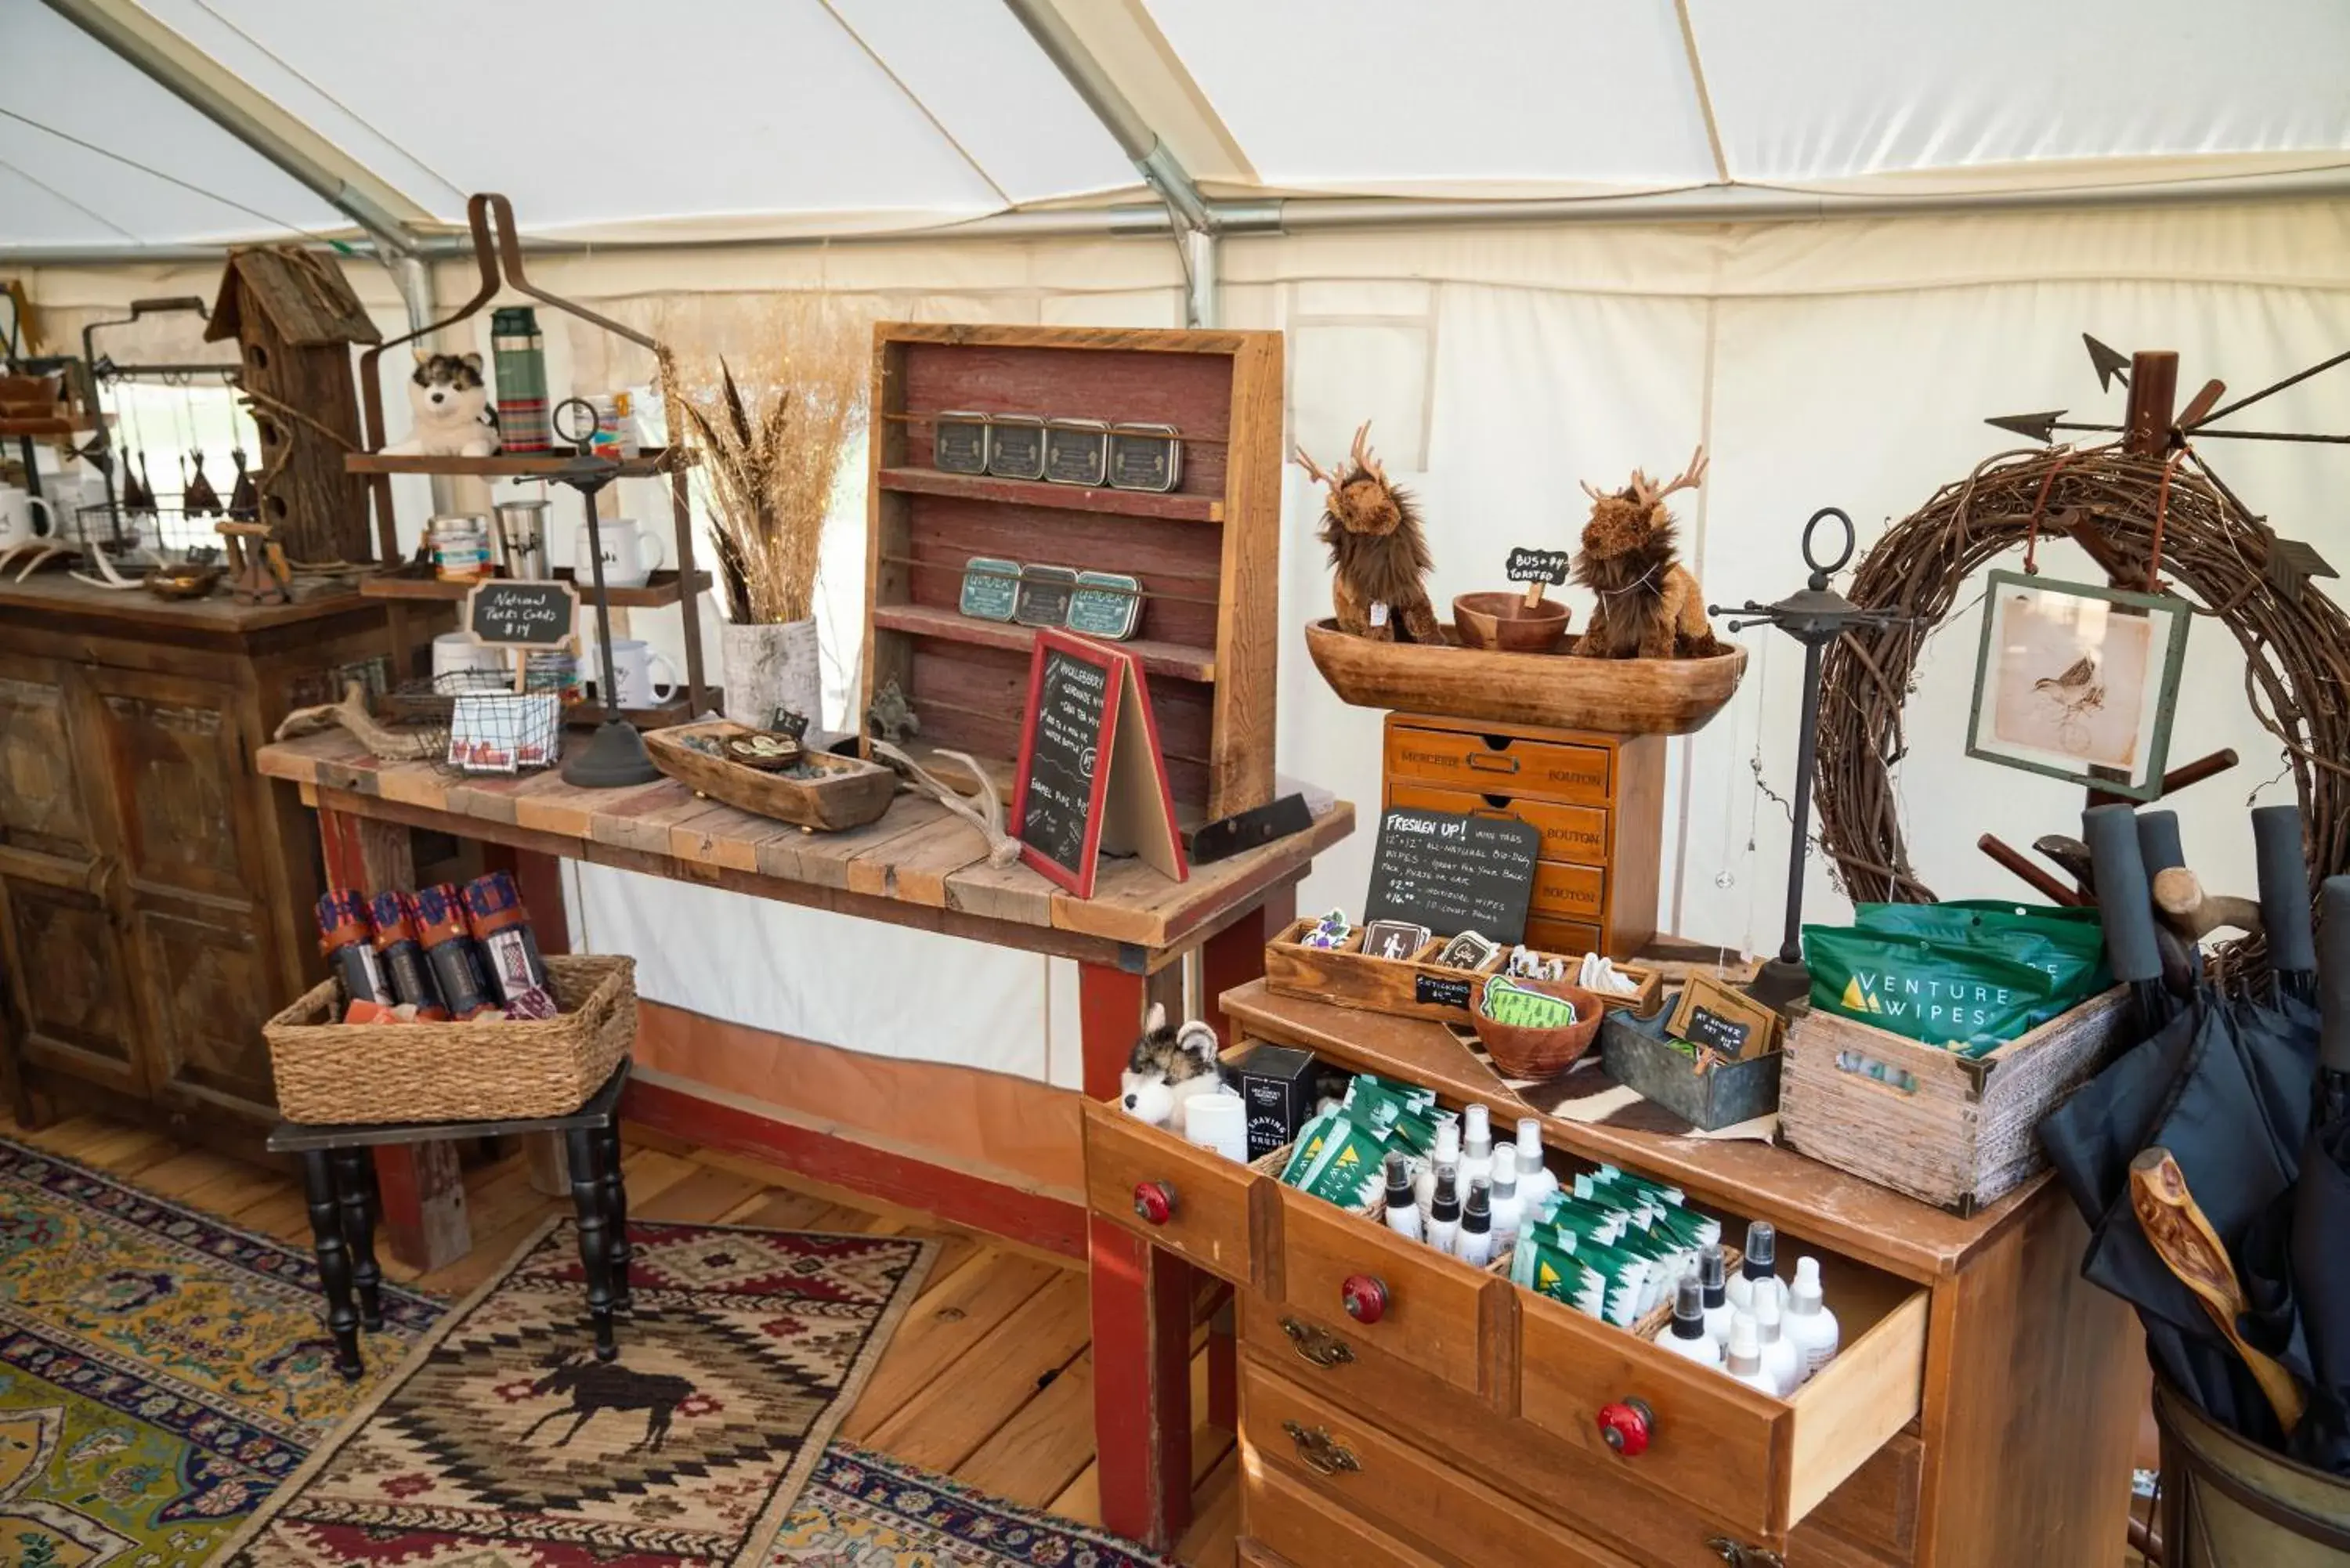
[506,614]
[1720,1018]
[1454,873]
[1538,569]
[1091,771]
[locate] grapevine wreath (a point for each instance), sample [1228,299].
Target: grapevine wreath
[2147,519]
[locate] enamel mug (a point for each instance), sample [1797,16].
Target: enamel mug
[632,553]
[634,667]
[18,524]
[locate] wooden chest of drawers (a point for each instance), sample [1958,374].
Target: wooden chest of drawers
[1980,1412]
[1596,800]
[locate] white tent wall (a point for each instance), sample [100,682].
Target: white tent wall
[1844,363]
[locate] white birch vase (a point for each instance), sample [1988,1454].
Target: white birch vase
[769,667]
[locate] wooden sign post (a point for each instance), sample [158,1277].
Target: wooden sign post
[1538,569]
[1091,771]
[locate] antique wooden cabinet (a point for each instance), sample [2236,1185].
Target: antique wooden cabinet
[155,890]
[1399,1408]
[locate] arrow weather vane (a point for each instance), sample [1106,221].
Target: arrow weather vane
[2113,365]
[2152,431]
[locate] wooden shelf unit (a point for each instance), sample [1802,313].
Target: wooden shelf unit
[1207,554]
[663,587]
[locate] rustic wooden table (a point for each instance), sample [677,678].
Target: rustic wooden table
[917,865]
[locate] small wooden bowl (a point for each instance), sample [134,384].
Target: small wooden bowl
[1539,1054]
[1503,622]
[183,582]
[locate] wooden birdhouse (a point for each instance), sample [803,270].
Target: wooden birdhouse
[295,319]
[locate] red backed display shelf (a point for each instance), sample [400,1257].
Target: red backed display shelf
[1207,554]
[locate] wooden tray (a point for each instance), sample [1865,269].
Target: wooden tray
[1408,988]
[1613,696]
[857,792]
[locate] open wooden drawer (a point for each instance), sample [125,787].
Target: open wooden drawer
[1176,1195]
[1741,1456]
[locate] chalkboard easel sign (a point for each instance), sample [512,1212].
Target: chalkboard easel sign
[1452,872]
[1090,767]
[1538,569]
[503,613]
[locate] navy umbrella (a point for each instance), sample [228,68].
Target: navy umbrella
[2223,1084]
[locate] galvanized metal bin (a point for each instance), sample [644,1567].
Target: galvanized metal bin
[2227,1503]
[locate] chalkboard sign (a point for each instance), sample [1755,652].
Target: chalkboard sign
[506,614]
[1437,991]
[1720,1018]
[1539,566]
[1707,1027]
[1454,873]
[1090,766]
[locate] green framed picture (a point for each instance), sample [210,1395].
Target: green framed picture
[2078,682]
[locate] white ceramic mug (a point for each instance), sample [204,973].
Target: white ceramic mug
[633,666]
[16,522]
[460,664]
[632,553]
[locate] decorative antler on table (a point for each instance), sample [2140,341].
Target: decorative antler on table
[984,810]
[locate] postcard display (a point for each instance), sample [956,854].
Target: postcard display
[1201,552]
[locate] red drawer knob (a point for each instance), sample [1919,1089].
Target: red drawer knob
[1154,1201]
[1626,1426]
[1366,1298]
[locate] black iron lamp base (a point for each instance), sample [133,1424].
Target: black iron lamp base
[1780,983]
[614,759]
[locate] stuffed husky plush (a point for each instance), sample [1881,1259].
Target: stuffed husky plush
[451,408]
[1168,1067]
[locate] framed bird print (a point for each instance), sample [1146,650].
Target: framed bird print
[2078,682]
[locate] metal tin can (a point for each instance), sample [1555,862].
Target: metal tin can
[1145,457]
[461,547]
[520,351]
[958,442]
[1045,594]
[616,425]
[1077,452]
[1015,446]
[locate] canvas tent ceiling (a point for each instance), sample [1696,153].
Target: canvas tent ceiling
[739,118]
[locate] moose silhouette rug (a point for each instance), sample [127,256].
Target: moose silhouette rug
[502,1440]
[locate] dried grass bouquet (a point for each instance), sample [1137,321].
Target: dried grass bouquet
[772,425]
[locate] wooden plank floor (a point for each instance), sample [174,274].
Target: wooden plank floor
[989,1378]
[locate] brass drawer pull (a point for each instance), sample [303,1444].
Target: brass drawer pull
[1487,763]
[1742,1556]
[1316,1344]
[1323,1453]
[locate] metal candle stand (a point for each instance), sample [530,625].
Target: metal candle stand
[616,756]
[1816,616]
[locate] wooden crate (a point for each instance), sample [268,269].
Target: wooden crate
[1416,987]
[1596,800]
[1958,1132]
[1207,553]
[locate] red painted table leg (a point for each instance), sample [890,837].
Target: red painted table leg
[1142,1386]
[1235,955]
[423,1192]
[1141,1302]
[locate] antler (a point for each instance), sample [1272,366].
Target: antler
[1363,458]
[1309,465]
[1690,477]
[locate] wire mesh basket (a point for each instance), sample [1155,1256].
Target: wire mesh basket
[474,722]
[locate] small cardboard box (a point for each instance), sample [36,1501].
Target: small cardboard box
[1277,1088]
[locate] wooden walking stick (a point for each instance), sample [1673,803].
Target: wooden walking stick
[2183,1239]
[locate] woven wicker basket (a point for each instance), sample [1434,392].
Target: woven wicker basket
[359,1072]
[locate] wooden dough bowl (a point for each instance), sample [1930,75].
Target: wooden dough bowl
[1503,621]
[1614,696]
[852,794]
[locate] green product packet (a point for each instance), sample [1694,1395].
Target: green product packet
[2073,952]
[1411,1095]
[1372,1105]
[1554,1272]
[1943,994]
[1415,1132]
[1349,1163]
[1310,1138]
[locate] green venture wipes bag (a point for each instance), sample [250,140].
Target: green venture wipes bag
[1941,992]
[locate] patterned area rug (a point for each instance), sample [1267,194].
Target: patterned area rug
[162,1373]
[503,1440]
